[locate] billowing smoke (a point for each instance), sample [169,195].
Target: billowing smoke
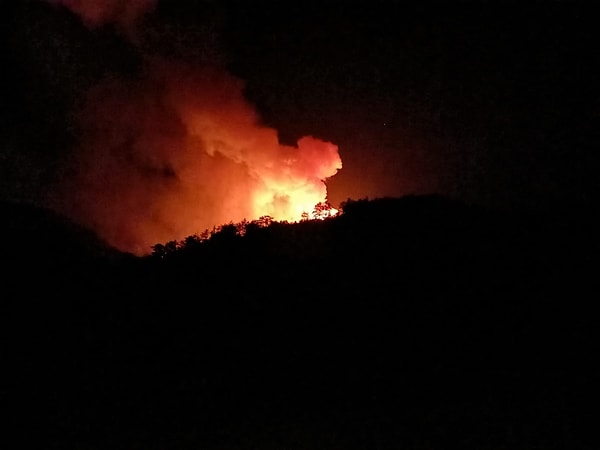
[178,150]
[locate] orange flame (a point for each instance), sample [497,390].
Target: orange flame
[182,151]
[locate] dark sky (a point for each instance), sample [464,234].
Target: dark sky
[492,101]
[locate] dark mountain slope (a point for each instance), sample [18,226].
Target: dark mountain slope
[418,321]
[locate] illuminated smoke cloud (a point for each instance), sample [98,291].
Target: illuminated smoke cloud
[181,151]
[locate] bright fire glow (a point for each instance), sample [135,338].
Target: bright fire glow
[293,190]
[181,151]
[177,150]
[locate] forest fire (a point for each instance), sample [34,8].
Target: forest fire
[176,148]
[179,151]
[294,190]
[286,181]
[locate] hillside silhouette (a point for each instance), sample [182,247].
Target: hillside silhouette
[414,322]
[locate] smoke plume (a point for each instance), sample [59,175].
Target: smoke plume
[177,150]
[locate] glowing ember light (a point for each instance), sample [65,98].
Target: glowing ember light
[181,151]
[298,186]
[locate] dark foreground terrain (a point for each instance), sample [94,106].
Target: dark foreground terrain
[412,323]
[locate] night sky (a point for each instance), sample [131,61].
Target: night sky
[406,322]
[491,102]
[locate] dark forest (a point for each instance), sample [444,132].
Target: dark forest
[412,322]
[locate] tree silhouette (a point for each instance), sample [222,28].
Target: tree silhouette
[322,210]
[159,251]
